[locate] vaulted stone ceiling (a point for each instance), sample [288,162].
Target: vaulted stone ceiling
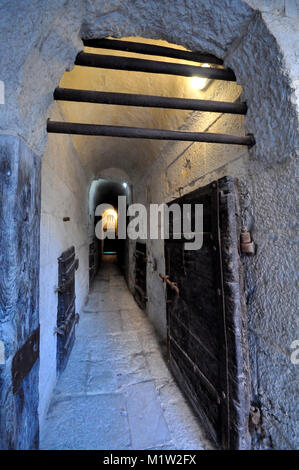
[133,156]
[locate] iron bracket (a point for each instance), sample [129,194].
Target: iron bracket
[24,359]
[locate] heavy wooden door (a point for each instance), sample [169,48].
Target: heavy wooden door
[66,314]
[92,262]
[206,318]
[140,274]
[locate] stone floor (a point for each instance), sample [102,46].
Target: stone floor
[116,391]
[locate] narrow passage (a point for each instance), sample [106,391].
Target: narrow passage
[116,391]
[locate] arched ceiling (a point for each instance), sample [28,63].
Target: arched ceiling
[107,192]
[257,43]
[132,155]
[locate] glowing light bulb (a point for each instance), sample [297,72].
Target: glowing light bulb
[110,212]
[199,83]
[109,219]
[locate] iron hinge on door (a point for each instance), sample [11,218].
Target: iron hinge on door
[24,360]
[247,245]
[67,276]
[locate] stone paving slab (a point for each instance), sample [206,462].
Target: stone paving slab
[99,324]
[147,423]
[80,350]
[135,320]
[100,378]
[117,281]
[149,342]
[183,425]
[102,303]
[87,422]
[133,370]
[114,346]
[117,391]
[73,379]
[100,286]
[157,365]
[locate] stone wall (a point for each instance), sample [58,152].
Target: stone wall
[19,287]
[259,40]
[64,193]
[268,210]
[42,54]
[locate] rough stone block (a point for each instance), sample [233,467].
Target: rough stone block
[278,394]
[292,8]
[19,274]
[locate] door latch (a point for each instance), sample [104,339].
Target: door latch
[172,285]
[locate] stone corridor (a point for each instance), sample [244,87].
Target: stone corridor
[116,391]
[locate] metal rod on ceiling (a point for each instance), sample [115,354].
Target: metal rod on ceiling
[151,49]
[128,99]
[141,133]
[152,66]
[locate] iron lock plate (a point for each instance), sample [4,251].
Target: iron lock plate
[24,359]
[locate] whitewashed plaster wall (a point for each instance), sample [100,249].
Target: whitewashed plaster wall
[64,193]
[181,167]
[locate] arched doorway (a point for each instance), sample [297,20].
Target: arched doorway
[242,37]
